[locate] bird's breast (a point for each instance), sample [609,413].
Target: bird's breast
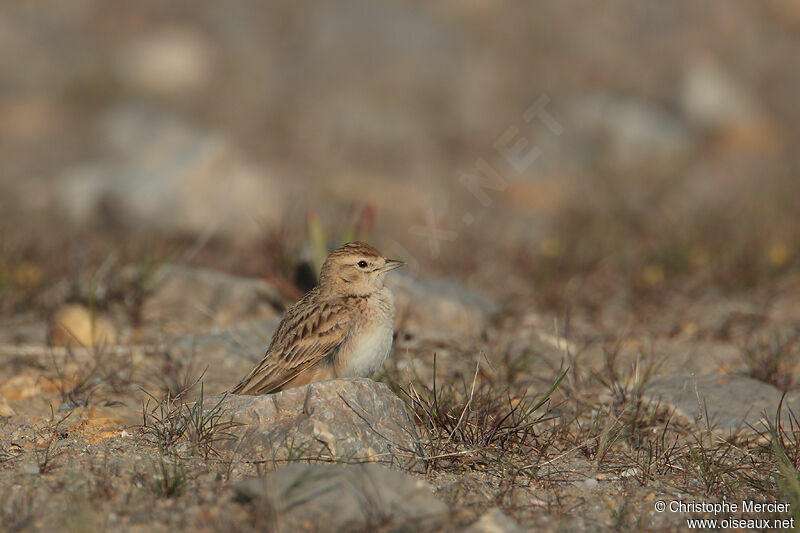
[367,353]
[371,341]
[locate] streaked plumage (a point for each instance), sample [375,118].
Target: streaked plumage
[341,328]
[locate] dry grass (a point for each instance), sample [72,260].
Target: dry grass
[785,449]
[104,370]
[171,421]
[49,437]
[480,425]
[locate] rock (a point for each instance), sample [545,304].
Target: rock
[162,174]
[29,468]
[682,356]
[733,402]
[437,309]
[104,332]
[24,385]
[73,325]
[350,420]
[186,299]
[586,484]
[712,99]
[715,102]
[631,131]
[345,498]
[5,409]
[494,521]
[69,405]
[226,355]
[167,61]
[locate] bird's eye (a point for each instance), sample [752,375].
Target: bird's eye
[362,264]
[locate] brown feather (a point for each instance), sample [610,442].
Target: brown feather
[309,335]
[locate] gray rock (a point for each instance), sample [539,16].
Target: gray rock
[494,521]
[345,498]
[161,173]
[224,355]
[342,420]
[167,61]
[186,299]
[733,402]
[438,309]
[710,97]
[29,468]
[631,131]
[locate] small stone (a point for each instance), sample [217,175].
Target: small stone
[69,405]
[29,468]
[73,325]
[345,498]
[5,409]
[589,484]
[24,385]
[711,98]
[168,61]
[348,420]
[494,521]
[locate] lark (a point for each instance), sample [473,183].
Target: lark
[342,328]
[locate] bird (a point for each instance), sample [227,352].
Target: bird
[343,327]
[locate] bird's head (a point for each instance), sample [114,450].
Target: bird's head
[356,269]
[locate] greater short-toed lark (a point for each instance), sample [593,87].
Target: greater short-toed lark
[342,328]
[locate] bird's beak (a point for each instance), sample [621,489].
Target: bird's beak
[391,264]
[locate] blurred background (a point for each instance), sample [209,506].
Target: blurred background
[551,153]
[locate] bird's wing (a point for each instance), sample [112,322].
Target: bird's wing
[306,336]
